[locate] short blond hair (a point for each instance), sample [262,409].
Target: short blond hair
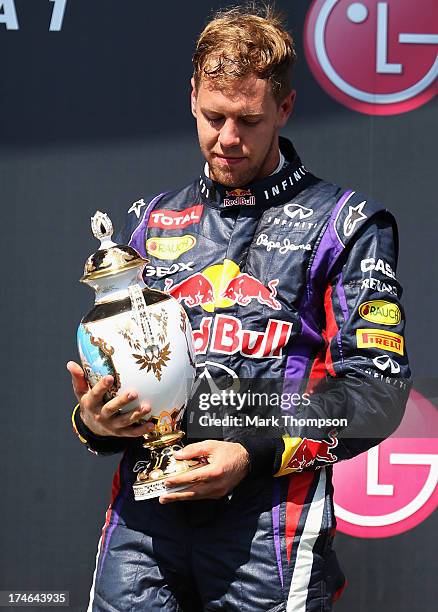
[243,41]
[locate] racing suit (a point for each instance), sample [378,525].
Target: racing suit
[290,278]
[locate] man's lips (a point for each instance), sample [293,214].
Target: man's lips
[229,161]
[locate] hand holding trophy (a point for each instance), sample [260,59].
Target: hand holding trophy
[143,339]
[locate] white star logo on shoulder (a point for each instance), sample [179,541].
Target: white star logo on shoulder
[136,207]
[355,215]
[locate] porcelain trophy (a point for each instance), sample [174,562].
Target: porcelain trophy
[143,339]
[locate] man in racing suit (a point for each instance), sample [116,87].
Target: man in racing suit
[284,276]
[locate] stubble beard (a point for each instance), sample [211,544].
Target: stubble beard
[236,178]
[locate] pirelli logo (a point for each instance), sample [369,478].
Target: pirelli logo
[377,338]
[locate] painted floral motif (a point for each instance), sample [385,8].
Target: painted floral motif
[162,320]
[127,333]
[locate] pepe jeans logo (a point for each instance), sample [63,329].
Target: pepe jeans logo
[283,246]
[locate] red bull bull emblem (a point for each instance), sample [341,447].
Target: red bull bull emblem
[198,290]
[239,197]
[310,451]
[244,288]
[195,290]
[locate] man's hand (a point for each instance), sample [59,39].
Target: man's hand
[105,419]
[228,464]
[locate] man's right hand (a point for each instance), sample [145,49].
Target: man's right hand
[104,419]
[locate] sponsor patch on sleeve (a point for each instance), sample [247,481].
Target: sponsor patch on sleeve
[380,339]
[381,312]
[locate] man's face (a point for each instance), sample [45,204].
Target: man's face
[238,128]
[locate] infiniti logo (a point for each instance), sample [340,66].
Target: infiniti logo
[295,210]
[383,362]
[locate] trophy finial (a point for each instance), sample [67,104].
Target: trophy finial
[102,229]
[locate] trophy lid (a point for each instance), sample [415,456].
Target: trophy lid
[111,258]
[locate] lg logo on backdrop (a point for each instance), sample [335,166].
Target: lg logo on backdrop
[378,58]
[395,484]
[8,15]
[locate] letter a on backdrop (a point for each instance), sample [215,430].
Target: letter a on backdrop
[8,14]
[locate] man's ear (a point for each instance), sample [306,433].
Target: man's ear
[286,107]
[193,97]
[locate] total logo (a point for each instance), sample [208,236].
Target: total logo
[176,219]
[393,487]
[222,286]
[380,312]
[378,58]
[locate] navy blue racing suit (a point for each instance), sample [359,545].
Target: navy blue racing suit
[291,279]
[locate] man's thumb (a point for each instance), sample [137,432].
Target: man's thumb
[80,386]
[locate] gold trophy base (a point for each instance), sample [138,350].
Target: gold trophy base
[161,465]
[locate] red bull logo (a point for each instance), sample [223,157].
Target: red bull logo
[193,291]
[244,288]
[221,286]
[224,334]
[310,451]
[239,197]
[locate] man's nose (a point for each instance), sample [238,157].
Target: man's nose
[229,135]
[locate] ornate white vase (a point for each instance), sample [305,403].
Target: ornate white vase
[141,337]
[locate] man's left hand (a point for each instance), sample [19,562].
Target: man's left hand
[228,464]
